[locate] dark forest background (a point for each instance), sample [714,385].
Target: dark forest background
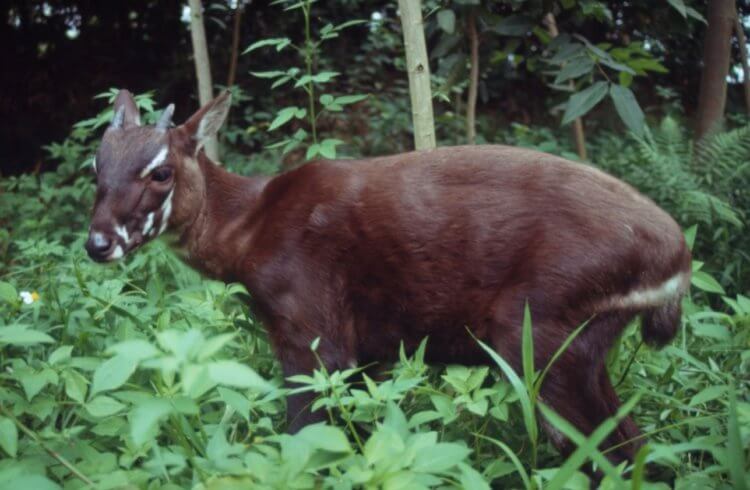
[58,53]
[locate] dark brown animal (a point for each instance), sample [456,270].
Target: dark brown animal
[368,253]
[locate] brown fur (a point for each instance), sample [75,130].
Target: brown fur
[368,253]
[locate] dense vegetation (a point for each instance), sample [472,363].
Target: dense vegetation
[142,374]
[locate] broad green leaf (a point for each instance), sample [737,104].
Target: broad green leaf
[736,459]
[21,335]
[233,373]
[112,373]
[137,350]
[580,65]
[268,74]
[679,5]
[8,293]
[8,436]
[75,385]
[447,20]
[34,381]
[707,394]
[282,117]
[628,109]
[35,482]
[703,280]
[145,418]
[350,99]
[440,457]
[61,354]
[103,406]
[325,437]
[582,102]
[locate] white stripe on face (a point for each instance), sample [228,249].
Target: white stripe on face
[148,224]
[166,210]
[93,164]
[122,232]
[157,161]
[117,253]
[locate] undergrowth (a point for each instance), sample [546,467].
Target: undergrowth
[143,375]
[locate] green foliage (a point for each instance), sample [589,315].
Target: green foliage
[308,79]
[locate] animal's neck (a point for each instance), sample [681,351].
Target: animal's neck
[222,229]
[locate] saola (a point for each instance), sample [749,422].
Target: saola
[367,253]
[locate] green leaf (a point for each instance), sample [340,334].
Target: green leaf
[233,373]
[440,457]
[328,147]
[582,102]
[75,385]
[136,350]
[447,20]
[580,65]
[268,74]
[8,293]
[679,5]
[145,418]
[61,354]
[103,406]
[690,234]
[513,25]
[112,373]
[325,437]
[21,335]
[8,436]
[704,281]
[628,109]
[350,99]
[279,42]
[283,116]
[708,394]
[735,450]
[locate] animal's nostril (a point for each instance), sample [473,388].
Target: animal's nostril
[100,243]
[98,246]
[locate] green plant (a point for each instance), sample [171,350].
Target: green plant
[307,79]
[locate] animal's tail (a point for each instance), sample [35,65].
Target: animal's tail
[659,324]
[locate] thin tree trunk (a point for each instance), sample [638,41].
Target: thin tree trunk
[716,55]
[418,69]
[202,66]
[471,104]
[578,134]
[235,44]
[742,42]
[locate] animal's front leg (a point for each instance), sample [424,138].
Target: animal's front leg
[300,359]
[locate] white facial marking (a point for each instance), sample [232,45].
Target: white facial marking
[155,162]
[122,232]
[166,210]
[117,253]
[93,164]
[99,241]
[148,224]
[654,296]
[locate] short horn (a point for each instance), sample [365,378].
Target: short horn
[118,118]
[166,118]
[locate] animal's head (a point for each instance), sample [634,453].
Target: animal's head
[148,178]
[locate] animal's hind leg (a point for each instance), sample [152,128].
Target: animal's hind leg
[629,438]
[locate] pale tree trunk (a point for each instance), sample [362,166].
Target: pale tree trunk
[742,42]
[202,66]
[235,43]
[418,69]
[578,135]
[716,55]
[471,104]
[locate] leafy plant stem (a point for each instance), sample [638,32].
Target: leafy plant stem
[60,458]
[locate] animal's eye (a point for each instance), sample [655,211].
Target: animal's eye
[161,174]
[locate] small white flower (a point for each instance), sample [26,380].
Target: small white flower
[29,297]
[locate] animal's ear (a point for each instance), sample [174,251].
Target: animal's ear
[208,119]
[126,112]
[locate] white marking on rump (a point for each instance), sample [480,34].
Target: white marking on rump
[122,232]
[653,296]
[166,210]
[117,253]
[148,224]
[157,161]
